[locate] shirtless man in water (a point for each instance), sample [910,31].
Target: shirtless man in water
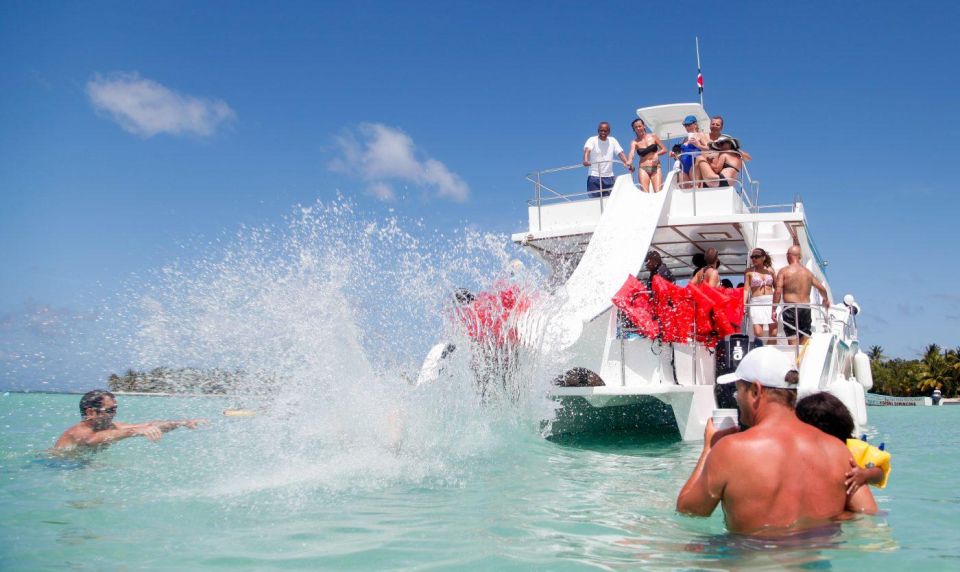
[793,285]
[98,429]
[780,474]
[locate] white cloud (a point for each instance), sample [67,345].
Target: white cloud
[42,319]
[379,154]
[382,191]
[144,107]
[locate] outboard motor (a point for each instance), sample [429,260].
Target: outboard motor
[937,396]
[730,352]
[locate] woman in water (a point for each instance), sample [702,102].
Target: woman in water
[759,279]
[649,147]
[723,168]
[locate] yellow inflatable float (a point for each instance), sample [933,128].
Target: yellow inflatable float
[867,456]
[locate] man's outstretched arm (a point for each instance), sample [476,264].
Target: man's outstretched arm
[73,439]
[170,425]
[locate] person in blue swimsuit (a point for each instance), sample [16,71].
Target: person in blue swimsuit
[690,149]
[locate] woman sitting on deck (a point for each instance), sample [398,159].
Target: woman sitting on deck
[649,147]
[723,168]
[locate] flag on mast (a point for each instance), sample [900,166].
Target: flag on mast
[699,75]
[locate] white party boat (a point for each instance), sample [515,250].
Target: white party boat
[591,245]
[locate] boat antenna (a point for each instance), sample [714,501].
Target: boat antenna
[699,75]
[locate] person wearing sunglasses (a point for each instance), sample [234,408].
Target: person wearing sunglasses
[760,277]
[98,429]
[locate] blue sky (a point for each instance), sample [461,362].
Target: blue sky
[132,129]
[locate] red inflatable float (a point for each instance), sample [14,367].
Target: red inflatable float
[676,314]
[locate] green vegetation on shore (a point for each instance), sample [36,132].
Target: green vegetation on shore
[936,368]
[190,380]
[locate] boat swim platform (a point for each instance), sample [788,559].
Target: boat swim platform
[691,405]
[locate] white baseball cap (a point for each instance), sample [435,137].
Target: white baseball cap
[766,365]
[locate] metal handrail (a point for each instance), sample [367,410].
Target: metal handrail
[739,184]
[744,186]
[536,178]
[567,168]
[780,306]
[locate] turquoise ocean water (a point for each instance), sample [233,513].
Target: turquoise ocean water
[494,497]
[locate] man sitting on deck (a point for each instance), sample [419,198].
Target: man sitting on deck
[716,131]
[98,429]
[780,474]
[793,286]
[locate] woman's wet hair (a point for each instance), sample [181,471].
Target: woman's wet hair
[93,400]
[633,123]
[827,413]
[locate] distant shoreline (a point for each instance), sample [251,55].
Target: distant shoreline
[123,393]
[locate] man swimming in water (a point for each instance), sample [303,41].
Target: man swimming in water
[98,429]
[780,474]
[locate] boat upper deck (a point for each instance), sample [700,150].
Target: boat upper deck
[562,216]
[692,221]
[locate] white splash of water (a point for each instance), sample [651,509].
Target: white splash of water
[338,310]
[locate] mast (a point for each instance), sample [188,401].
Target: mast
[699,75]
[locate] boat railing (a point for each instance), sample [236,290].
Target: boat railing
[547,191]
[746,188]
[544,193]
[825,324]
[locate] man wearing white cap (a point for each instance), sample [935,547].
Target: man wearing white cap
[778,475]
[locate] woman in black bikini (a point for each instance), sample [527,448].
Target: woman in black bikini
[723,169]
[649,147]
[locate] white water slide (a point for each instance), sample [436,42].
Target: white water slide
[617,249]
